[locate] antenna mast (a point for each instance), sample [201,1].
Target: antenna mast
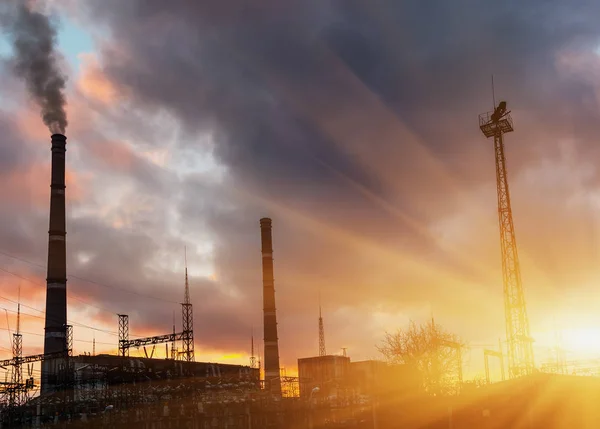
[519,342]
[322,351]
[17,395]
[252,356]
[188,319]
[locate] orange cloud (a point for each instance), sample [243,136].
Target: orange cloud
[113,153]
[30,186]
[31,284]
[31,125]
[93,83]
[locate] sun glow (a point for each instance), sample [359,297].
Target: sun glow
[582,341]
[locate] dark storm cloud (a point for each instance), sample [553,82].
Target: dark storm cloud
[33,37]
[263,80]
[214,65]
[228,70]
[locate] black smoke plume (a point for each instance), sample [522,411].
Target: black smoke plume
[33,39]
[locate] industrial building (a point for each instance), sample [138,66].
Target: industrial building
[336,377]
[378,378]
[330,374]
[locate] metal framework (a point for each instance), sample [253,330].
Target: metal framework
[520,350]
[69,332]
[486,354]
[32,358]
[187,314]
[158,339]
[322,351]
[16,395]
[188,332]
[174,351]
[123,334]
[253,362]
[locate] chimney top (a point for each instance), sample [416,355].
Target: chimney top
[265,221]
[58,137]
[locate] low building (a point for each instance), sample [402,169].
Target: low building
[373,377]
[92,373]
[327,373]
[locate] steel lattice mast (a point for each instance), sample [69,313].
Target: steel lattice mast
[16,397]
[188,321]
[520,350]
[322,351]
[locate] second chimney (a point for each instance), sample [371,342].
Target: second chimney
[272,376]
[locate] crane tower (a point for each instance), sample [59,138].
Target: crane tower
[520,351]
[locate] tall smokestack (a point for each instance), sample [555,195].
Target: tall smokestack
[271,359]
[56,281]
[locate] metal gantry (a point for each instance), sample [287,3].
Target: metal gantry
[520,350]
[16,395]
[486,354]
[186,336]
[149,341]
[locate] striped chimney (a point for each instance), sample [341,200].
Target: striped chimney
[56,280]
[271,356]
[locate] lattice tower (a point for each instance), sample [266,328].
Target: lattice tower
[519,342]
[188,320]
[322,351]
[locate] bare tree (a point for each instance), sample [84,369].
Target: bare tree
[435,353]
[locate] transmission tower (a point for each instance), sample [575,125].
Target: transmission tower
[188,321]
[174,350]
[17,394]
[123,334]
[322,351]
[520,351]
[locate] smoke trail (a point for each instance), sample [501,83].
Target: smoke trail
[34,37]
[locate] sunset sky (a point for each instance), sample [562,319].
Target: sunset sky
[353,125]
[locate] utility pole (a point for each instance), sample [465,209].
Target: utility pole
[519,342]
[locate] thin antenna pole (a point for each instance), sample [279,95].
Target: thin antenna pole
[319,302]
[19,310]
[493,94]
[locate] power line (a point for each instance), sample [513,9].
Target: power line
[43,312]
[37,334]
[74,323]
[92,281]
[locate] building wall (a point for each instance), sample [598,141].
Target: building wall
[374,377]
[328,373]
